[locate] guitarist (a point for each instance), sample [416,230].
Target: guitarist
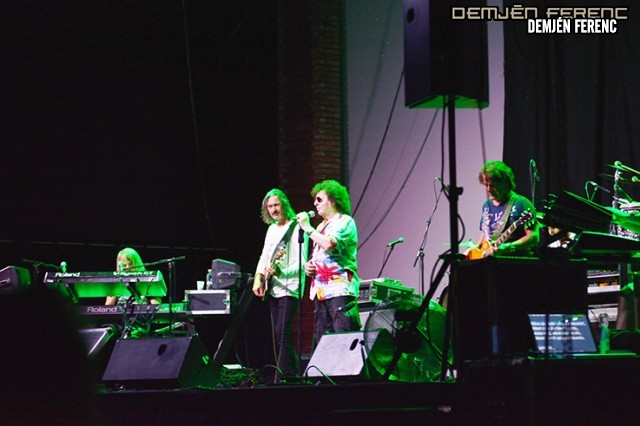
[277,275]
[503,208]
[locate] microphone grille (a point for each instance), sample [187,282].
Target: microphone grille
[311,214]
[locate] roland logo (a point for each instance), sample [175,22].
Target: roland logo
[102,309]
[66,274]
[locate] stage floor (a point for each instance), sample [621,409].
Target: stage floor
[592,391]
[522,391]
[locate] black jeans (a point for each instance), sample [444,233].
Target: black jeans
[335,314]
[283,310]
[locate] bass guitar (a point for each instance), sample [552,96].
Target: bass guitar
[488,249]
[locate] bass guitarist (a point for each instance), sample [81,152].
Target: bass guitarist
[507,224]
[277,278]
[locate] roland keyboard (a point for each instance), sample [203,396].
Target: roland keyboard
[111,283]
[115,313]
[103,277]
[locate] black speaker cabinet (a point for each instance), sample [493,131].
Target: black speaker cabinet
[444,56]
[493,297]
[14,278]
[155,363]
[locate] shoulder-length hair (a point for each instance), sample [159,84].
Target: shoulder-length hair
[287,210]
[136,261]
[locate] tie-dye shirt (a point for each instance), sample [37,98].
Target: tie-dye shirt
[336,268]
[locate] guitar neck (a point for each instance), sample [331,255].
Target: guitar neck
[506,234]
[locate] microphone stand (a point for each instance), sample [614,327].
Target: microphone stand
[35,267]
[385,260]
[420,254]
[534,178]
[171,284]
[301,277]
[449,261]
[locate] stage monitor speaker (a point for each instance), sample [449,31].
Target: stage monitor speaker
[444,56]
[343,354]
[493,297]
[155,363]
[14,278]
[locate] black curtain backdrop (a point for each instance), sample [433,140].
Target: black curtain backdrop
[116,132]
[571,103]
[106,140]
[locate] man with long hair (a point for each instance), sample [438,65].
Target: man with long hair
[277,277]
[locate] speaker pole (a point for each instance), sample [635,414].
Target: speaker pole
[445,67]
[454,256]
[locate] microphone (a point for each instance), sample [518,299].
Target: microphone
[618,163]
[63,267]
[397,241]
[311,214]
[635,179]
[534,168]
[597,186]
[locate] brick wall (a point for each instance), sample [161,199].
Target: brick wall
[309,107]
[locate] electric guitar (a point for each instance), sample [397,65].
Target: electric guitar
[277,254]
[488,249]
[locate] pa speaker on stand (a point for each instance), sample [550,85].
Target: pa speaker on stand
[444,56]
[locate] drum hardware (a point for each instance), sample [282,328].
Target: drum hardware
[623,168]
[620,180]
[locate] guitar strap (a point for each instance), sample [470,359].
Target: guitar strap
[506,214]
[284,240]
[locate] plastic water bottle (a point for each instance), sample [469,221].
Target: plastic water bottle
[603,319]
[209,282]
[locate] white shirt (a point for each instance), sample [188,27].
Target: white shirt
[286,283]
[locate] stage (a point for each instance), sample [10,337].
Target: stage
[510,391]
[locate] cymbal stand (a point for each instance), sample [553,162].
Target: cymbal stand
[615,202]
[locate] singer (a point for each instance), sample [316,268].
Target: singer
[503,208]
[277,275]
[333,264]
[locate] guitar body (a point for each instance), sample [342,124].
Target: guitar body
[480,252]
[265,282]
[265,286]
[487,248]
